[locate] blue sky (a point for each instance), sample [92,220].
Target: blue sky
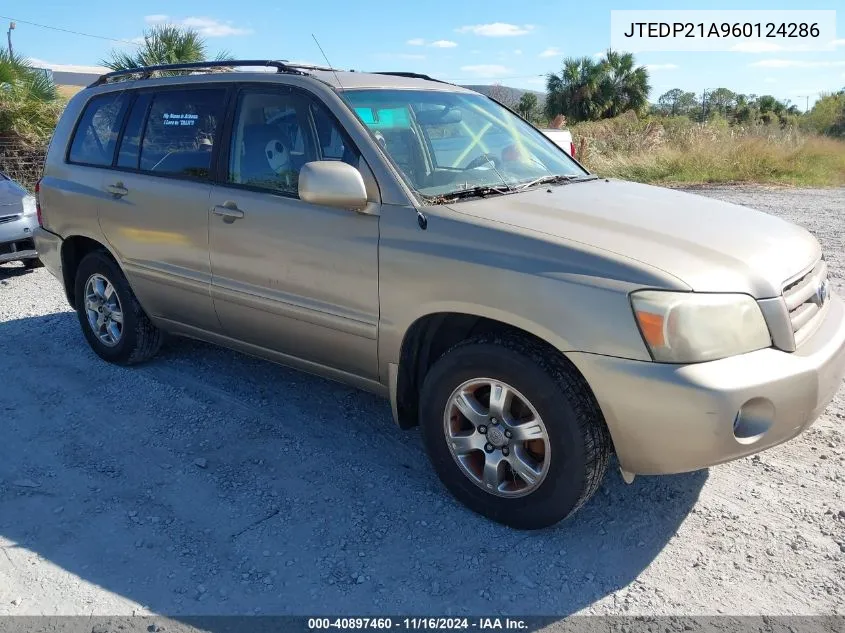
[468,41]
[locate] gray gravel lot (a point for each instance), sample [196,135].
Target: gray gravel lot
[207,482]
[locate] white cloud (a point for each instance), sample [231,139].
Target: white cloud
[762,46]
[658,67]
[497,29]
[796,63]
[486,70]
[770,80]
[598,55]
[418,41]
[205,26]
[756,46]
[517,52]
[551,52]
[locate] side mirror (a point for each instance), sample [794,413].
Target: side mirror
[333,184]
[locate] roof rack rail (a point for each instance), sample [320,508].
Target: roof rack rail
[411,76]
[146,72]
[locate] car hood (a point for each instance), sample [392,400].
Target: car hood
[11,197]
[711,246]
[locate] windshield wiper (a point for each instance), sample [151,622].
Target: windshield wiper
[480,191]
[544,180]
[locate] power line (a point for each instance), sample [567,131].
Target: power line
[56,28]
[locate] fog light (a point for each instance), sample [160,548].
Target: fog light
[752,421]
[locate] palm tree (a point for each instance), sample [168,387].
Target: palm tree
[29,103]
[163,44]
[527,104]
[575,92]
[624,86]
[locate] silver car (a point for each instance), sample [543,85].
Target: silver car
[18,220]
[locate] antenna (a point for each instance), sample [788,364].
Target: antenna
[327,61]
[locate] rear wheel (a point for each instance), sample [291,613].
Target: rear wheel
[112,320]
[513,431]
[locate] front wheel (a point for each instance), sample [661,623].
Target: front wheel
[114,324]
[513,431]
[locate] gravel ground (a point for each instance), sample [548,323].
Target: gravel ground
[207,482]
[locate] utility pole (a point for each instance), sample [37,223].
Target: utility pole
[9,36]
[807,103]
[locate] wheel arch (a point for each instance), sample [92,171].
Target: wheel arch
[74,249]
[431,335]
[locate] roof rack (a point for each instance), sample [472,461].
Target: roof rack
[411,76]
[146,72]
[314,67]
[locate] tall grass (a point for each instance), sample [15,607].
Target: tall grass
[677,150]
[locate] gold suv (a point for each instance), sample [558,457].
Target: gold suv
[421,241]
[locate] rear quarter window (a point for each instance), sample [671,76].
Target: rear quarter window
[96,134]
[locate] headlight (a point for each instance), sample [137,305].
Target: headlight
[29,205]
[688,327]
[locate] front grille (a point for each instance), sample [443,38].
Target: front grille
[805,299]
[8,218]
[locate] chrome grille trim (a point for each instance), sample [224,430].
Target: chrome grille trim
[803,301]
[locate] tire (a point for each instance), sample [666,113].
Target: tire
[33,263]
[578,445]
[139,339]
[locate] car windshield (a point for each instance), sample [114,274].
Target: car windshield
[446,143]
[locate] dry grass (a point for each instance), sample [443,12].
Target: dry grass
[669,151]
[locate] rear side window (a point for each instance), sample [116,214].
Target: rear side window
[95,137]
[130,145]
[181,128]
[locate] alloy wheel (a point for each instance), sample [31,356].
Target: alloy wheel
[497,437]
[103,309]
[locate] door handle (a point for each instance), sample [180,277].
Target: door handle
[117,190]
[228,211]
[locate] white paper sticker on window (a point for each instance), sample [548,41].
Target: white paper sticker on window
[180,119]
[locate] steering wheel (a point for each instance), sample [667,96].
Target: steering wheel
[513,154]
[481,160]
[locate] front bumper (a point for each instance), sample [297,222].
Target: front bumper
[678,418]
[16,239]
